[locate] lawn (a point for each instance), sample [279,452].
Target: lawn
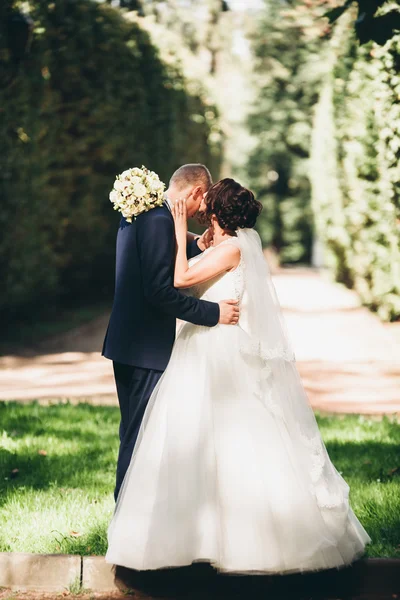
[57,475]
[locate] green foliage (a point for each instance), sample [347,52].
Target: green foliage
[355,169]
[377,20]
[287,71]
[91,98]
[353,135]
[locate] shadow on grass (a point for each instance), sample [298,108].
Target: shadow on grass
[366,461]
[63,445]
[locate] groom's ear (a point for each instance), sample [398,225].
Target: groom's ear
[198,192]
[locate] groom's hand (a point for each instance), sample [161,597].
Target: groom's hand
[228,312]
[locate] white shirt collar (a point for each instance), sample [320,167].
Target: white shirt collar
[168,203]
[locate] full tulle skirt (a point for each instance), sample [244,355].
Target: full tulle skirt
[224,472]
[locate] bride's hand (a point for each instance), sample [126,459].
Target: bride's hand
[179,212]
[206,240]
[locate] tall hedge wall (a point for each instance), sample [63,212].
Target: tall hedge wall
[356,170]
[90,99]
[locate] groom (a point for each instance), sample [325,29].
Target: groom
[141,331]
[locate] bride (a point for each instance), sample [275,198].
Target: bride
[229,467]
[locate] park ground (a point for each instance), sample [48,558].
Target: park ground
[348,359]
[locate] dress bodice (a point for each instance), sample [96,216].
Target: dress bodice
[223,287]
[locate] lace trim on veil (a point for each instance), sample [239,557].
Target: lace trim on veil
[269,344]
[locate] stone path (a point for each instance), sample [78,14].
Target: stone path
[349,361]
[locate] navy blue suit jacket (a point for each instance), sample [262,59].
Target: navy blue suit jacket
[141,331]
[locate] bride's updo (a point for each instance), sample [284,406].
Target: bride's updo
[234,206]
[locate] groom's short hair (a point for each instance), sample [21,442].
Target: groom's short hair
[191,175]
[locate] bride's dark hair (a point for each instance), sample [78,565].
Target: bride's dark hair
[234,206]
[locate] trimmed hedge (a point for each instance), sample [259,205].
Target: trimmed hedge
[90,99]
[355,169]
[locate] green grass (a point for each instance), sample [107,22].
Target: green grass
[62,501]
[367,453]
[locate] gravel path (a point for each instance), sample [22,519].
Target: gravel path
[349,361]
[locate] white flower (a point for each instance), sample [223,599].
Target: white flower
[139,190]
[119,185]
[155,186]
[114,195]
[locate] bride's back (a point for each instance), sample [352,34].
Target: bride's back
[223,287]
[230,285]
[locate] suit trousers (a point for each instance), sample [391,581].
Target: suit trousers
[134,388]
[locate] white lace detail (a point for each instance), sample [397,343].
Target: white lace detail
[273,406]
[327,500]
[238,272]
[264,387]
[319,487]
[238,276]
[270,353]
[314,444]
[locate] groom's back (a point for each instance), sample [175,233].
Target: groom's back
[138,334]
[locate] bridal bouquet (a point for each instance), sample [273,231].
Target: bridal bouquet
[136,191]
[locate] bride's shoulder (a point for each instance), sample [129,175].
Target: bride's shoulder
[226,250]
[231,245]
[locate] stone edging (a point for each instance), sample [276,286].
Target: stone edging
[55,572]
[59,572]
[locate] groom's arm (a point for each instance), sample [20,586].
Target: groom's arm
[196,244]
[156,247]
[193,249]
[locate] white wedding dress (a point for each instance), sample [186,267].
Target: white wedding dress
[229,466]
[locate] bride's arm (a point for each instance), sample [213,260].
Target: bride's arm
[217,262]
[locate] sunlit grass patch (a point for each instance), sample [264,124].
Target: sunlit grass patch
[57,466]
[367,453]
[58,470]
